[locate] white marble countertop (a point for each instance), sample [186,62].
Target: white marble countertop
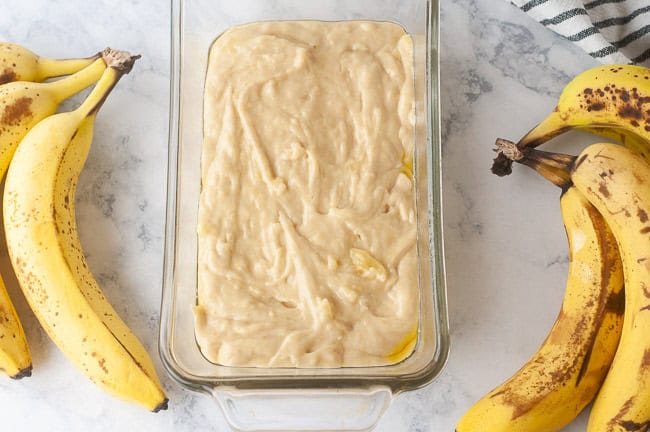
[505,247]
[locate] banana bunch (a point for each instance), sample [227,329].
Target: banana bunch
[611,184]
[41,231]
[22,105]
[17,63]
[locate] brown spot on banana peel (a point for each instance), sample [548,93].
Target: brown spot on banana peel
[642,214]
[580,160]
[616,303]
[627,425]
[616,420]
[622,210]
[630,112]
[631,426]
[645,290]
[102,365]
[19,109]
[646,294]
[600,155]
[596,106]
[602,188]
[624,94]
[645,362]
[640,180]
[7,76]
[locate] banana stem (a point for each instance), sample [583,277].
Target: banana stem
[552,126]
[555,167]
[558,177]
[50,68]
[119,64]
[66,87]
[515,153]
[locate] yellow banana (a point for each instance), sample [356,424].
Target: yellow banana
[65,186]
[69,308]
[22,105]
[15,358]
[17,63]
[597,100]
[616,181]
[563,376]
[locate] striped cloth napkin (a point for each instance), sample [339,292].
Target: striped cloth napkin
[611,31]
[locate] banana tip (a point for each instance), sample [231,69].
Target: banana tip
[23,373]
[501,165]
[162,406]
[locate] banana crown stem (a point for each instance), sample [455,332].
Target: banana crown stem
[68,86]
[49,68]
[552,126]
[119,63]
[555,167]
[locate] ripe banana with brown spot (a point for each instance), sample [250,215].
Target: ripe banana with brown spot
[17,63]
[564,375]
[609,100]
[51,271]
[599,99]
[617,182]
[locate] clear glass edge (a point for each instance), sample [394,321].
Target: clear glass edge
[396,384]
[322,410]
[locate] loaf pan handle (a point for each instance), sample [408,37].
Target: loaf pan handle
[303,410]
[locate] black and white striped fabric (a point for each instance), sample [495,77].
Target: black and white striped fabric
[611,31]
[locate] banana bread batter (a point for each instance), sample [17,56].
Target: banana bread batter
[307,254]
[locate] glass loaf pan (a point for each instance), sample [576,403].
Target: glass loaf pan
[296,398]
